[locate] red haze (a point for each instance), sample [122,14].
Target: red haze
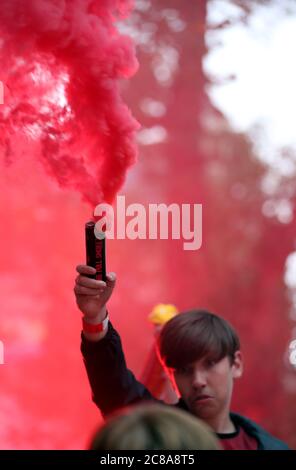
[61,61]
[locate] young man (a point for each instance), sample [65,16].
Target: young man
[200,350]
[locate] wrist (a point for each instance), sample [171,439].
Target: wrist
[96,328]
[93,320]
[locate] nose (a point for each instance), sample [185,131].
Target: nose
[199,379]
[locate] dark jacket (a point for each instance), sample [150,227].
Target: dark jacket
[115,386]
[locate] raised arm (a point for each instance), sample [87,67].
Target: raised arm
[113,385]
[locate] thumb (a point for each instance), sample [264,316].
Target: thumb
[111,279]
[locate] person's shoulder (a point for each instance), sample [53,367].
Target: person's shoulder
[265,440]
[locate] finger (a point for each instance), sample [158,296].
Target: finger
[90,283]
[111,279]
[80,290]
[84,269]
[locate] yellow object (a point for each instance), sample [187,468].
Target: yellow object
[162,313]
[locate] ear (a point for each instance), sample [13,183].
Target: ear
[237,365]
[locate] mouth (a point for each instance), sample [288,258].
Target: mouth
[202,399]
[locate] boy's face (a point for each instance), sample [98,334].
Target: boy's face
[206,386]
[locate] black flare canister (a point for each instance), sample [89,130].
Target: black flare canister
[95,252]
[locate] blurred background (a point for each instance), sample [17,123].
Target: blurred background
[215,95]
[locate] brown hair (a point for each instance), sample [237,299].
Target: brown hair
[195,334]
[154,427]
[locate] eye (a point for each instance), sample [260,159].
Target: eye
[184,370]
[210,363]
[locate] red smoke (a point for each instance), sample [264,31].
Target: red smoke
[60,64]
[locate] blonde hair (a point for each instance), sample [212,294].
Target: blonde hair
[154,427]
